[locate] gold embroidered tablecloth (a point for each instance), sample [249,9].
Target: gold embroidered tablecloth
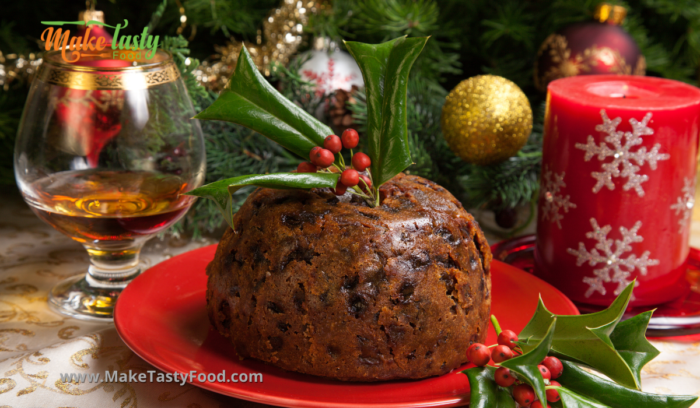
[37,345]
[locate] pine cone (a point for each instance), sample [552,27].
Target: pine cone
[341,116]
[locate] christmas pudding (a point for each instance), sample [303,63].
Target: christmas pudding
[329,286]
[356,272]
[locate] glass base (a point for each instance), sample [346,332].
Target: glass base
[82,297]
[676,318]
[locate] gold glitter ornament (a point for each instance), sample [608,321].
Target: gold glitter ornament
[486,119]
[278,41]
[18,69]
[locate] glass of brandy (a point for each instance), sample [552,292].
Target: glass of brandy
[105,150]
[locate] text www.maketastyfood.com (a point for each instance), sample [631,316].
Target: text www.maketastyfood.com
[155,376]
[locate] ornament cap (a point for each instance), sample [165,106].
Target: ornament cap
[87,15]
[609,13]
[324,44]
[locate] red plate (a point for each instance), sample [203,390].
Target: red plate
[680,317]
[162,317]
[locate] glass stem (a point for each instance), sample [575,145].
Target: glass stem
[112,265]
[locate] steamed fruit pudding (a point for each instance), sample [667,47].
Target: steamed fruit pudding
[328,285]
[353,271]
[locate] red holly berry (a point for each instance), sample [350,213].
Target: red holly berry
[479,354]
[366,180]
[322,157]
[314,151]
[360,161]
[333,143]
[523,394]
[503,377]
[507,338]
[350,177]
[538,404]
[556,368]
[350,139]
[545,372]
[340,189]
[306,167]
[501,353]
[553,395]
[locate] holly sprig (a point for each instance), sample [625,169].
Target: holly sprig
[385,68]
[566,348]
[249,100]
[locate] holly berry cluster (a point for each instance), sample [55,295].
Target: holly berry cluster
[358,176]
[551,368]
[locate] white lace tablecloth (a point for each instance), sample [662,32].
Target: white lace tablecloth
[37,345]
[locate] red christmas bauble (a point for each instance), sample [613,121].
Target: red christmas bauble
[589,48]
[96,31]
[90,118]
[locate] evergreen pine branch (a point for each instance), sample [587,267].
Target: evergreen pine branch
[509,22]
[331,21]
[391,17]
[508,184]
[422,161]
[295,88]
[381,20]
[513,67]
[358,107]
[178,47]
[565,12]
[10,39]
[688,9]
[232,150]
[156,16]
[231,17]
[500,38]
[672,49]
[11,104]
[424,105]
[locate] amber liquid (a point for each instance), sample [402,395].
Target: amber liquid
[93,206]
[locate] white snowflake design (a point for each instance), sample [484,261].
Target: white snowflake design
[685,203]
[611,260]
[622,154]
[327,81]
[552,183]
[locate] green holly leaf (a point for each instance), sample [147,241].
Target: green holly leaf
[629,339]
[385,68]
[249,100]
[485,393]
[586,338]
[220,191]
[504,398]
[578,380]
[526,364]
[570,399]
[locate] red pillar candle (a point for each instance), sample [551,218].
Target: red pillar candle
[617,187]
